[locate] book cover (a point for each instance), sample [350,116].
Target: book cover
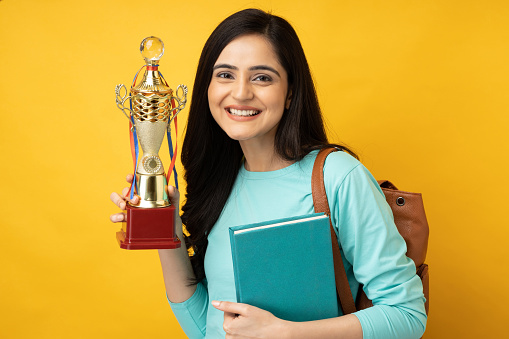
[285,267]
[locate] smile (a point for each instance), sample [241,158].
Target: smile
[242,112]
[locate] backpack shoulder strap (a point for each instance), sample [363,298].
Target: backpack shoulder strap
[321,204]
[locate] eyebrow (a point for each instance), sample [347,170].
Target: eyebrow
[253,68]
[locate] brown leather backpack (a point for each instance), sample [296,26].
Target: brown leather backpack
[409,217]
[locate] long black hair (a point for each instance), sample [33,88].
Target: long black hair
[211,159]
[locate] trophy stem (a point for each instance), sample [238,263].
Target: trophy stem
[152,190]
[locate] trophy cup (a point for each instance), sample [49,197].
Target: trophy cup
[152,107]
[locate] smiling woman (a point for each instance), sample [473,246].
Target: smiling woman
[248,153]
[248,93]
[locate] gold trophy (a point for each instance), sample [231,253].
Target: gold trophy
[152,107]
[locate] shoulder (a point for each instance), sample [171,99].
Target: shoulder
[338,167]
[343,172]
[340,162]
[340,170]
[336,162]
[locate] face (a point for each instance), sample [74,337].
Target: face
[248,91]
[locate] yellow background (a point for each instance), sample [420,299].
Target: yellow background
[418,88]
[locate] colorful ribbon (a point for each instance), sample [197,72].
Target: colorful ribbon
[133,138]
[173,155]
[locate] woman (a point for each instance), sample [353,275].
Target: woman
[248,153]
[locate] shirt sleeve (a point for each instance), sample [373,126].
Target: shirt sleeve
[375,255]
[192,313]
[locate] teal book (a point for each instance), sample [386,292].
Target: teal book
[285,267]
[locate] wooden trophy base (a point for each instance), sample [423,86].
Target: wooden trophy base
[148,228]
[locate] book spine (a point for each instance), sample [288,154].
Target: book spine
[235,265]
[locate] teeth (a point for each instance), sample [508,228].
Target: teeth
[244,113]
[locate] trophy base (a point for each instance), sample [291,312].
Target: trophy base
[148,228]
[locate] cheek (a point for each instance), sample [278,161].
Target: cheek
[275,96]
[214,103]
[212,99]
[215,95]
[277,101]
[210,94]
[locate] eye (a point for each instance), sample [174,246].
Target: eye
[224,75]
[262,78]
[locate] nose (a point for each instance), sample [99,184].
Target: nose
[242,90]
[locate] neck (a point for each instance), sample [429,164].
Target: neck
[262,157]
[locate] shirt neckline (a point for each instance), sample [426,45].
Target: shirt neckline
[269,174]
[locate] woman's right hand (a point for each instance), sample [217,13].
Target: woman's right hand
[121,200]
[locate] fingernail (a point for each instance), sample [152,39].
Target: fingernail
[215,303]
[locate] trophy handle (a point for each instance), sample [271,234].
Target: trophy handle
[181,98]
[120,100]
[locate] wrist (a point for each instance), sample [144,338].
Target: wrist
[285,329]
[179,231]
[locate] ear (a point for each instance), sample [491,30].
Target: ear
[288,99]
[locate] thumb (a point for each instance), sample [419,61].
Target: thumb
[231,307]
[174,196]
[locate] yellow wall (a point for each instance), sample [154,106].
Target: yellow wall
[418,88]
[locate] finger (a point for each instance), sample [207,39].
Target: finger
[229,317]
[231,307]
[118,200]
[228,323]
[125,194]
[118,217]
[129,178]
[125,191]
[174,195]
[135,200]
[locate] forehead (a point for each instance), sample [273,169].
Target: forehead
[252,49]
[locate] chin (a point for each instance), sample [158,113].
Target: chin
[238,136]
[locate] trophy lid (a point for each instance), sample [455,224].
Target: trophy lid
[152,49]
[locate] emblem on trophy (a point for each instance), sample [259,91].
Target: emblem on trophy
[150,107]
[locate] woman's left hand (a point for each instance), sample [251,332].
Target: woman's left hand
[246,321]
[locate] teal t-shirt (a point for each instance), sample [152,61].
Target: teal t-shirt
[373,250]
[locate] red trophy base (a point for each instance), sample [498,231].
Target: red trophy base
[148,228]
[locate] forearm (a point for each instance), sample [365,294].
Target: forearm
[189,303]
[345,327]
[177,271]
